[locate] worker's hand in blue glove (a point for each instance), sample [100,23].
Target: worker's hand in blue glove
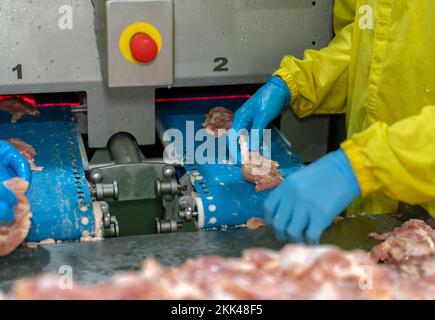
[7,203]
[256,113]
[308,201]
[12,163]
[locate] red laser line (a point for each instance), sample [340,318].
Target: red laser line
[59,104]
[31,100]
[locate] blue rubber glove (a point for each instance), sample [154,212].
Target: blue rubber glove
[256,113]
[7,203]
[308,201]
[12,163]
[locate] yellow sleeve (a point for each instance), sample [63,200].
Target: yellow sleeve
[399,159]
[319,82]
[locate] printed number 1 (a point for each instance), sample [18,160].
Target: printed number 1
[19,70]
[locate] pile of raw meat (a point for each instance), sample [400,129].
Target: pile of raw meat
[410,248]
[27,151]
[18,108]
[11,236]
[256,169]
[218,120]
[295,272]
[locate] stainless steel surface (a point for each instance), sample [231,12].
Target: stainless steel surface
[82,149]
[118,15]
[215,42]
[99,261]
[243,41]
[54,58]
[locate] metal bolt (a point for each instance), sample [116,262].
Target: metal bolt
[168,172]
[96,176]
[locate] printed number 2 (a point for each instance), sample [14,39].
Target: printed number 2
[221,64]
[19,70]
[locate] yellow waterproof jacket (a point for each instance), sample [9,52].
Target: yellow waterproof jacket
[380,70]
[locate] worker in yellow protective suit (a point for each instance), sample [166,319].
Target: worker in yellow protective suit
[380,70]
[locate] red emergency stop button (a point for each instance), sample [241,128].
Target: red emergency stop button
[143,48]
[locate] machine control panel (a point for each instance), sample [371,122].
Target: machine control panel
[139,43]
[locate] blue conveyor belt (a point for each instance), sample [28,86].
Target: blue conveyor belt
[228,200]
[60,200]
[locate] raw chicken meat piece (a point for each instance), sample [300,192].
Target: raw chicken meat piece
[18,108]
[218,121]
[254,173]
[410,247]
[255,223]
[256,169]
[27,151]
[261,171]
[11,236]
[295,272]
